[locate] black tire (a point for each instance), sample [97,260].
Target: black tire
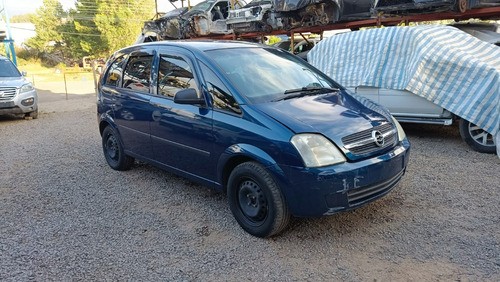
[34,114]
[113,150]
[256,200]
[476,137]
[31,115]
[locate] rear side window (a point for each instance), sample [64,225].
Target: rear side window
[174,74]
[137,74]
[115,72]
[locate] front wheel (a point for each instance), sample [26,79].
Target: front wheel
[476,137]
[256,200]
[31,115]
[113,150]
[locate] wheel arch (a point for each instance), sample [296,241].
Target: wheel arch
[240,153]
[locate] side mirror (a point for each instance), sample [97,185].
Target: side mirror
[188,96]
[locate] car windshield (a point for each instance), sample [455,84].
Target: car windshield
[269,74]
[203,6]
[175,13]
[7,69]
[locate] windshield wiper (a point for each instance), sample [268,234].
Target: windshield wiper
[310,89]
[305,91]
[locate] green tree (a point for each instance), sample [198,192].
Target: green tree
[120,21]
[47,20]
[82,32]
[25,18]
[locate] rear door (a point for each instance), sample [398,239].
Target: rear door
[130,98]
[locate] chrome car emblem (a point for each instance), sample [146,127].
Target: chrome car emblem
[378,138]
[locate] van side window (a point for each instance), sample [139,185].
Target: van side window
[115,72]
[137,74]
[222,98]
[174,74]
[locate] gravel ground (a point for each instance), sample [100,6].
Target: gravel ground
[65,215]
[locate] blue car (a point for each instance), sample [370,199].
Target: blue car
[278,136]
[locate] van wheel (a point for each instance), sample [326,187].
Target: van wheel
[256,200]
[113,150]
[476,137]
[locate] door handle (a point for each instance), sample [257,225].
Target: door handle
[156,115]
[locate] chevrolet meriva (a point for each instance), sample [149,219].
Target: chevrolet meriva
[278,136]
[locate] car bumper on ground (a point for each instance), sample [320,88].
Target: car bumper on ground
[328,190]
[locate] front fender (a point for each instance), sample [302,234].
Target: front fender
[239,153]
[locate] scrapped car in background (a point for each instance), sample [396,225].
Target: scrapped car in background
[206,18]
[402,7]
[253,17]
[267,15]
[17,94]
[422,74]
[487,32]
[169,26]
[301,46]
[221,114]
[209,17]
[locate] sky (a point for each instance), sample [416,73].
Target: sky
[19,7]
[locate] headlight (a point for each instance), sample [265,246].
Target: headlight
[316,150]
[401,132]
[26,88]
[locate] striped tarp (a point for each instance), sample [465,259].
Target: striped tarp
[442,64]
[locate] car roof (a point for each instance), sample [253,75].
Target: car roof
[204,45]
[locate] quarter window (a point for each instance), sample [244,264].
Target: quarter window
[174,74]
[137,74]
[221,97]
[115,72]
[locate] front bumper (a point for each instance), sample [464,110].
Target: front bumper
[22,103]
[328,190]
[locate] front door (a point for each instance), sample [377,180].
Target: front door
[181,134]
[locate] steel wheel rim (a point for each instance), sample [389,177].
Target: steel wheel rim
[252,201]
[480,136]
[112,148]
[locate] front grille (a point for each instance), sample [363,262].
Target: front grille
[363,195]
[7,93]
[362,143]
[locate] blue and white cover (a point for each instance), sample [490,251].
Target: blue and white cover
[442,64]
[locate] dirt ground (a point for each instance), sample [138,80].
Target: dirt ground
[65,215]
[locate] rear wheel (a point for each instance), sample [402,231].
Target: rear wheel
[476,137]
[256,200]
[113,150]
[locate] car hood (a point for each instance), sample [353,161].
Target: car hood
[12,81]
[334,115]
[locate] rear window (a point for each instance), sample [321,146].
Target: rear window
[8,69]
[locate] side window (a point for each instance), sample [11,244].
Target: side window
[220,11]
[137,73]
[174,74]
[115,72]
[223,99]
